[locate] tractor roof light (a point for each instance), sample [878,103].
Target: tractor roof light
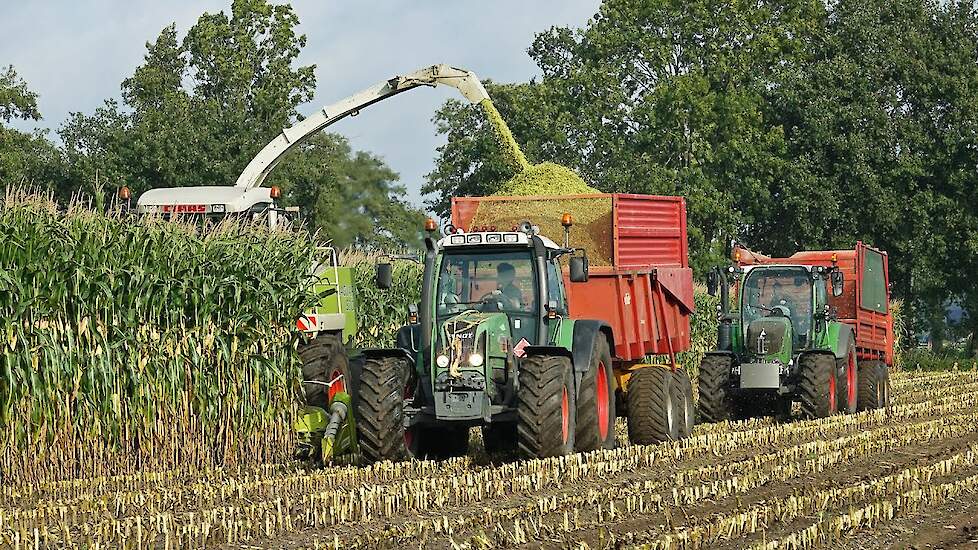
[124,193]
[566,220]
[835,257]
[275,192]
[430,226]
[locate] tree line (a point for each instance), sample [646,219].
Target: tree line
[788,125]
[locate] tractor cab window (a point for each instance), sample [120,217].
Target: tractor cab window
[779,291]
[555,288]
[494,281]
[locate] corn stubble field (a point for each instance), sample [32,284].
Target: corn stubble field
[849,480]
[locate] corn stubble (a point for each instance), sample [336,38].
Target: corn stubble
[660,496]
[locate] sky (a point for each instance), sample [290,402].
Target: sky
[76,53]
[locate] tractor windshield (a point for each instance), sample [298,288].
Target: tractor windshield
[785,291]
[486,281]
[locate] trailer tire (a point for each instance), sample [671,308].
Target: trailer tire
[545,406]
[683,388]
[653,412]
[596,402]
[715,403]
[817,389]
[872,385]
[884,376]
[848,393]
[380,409]
[323,360]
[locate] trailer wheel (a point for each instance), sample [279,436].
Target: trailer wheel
[596,402]
[884,377]
[380,410]
[715,403]
[872,386]
[848,385]
[683,391]
[653,412]
[545,406]
[817,389]
[323,361]
[499,437]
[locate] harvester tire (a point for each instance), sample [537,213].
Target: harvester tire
[545,406]
[323,360]
[653,412]
[715,403]
[817,389]
[873,385]
[683,391]
[499,437]
[380,409]
[848,381]
[596,402]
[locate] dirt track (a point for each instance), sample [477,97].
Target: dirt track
[837,482]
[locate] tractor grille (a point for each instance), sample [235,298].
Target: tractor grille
[774,333]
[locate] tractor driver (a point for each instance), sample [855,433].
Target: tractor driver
[506,292]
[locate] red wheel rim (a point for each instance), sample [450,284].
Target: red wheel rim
[832,393]
[602,398]
[337,384]
[851,381]
[408,438]
[565,416]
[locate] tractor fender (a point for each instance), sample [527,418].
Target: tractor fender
[381,353]
[586,333]
[846,336]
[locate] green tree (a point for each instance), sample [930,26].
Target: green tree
[25,158]
[198,110]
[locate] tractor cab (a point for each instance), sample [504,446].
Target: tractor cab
[778,302]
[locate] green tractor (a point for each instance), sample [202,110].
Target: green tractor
[326,427]
[780,343]
[491,345]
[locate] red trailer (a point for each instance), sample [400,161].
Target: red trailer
[864,303]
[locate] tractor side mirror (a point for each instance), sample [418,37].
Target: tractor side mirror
[385,275]
[578,269]
[712,283]
[838,283]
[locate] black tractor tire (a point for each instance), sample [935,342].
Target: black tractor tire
[499,438]
[323,359]
[596,402]
[715,402]
[683,391]
[884,376]
[848,394]
[817,388]
[653,413]
[545,406]
[873,381]
[437,443]
[380,409]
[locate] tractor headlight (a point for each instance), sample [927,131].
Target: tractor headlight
[476,359]
[442,361]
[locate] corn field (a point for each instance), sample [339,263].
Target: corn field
[134,345]
[755,483]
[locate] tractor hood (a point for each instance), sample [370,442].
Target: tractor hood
[461,352]
[769,339]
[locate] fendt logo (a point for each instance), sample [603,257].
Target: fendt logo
[185,208]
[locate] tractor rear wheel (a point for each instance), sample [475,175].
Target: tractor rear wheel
[324,361]
[716,403]
[873,382]
[545,406]
[683,391]
[380,409]
[653,413]
[848,385]
[596,402]
[817,389]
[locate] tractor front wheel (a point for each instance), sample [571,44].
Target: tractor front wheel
[546,414]
[380,409]
[716,403]
[848,393]
[817,388]
[596,402]
[653,410]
